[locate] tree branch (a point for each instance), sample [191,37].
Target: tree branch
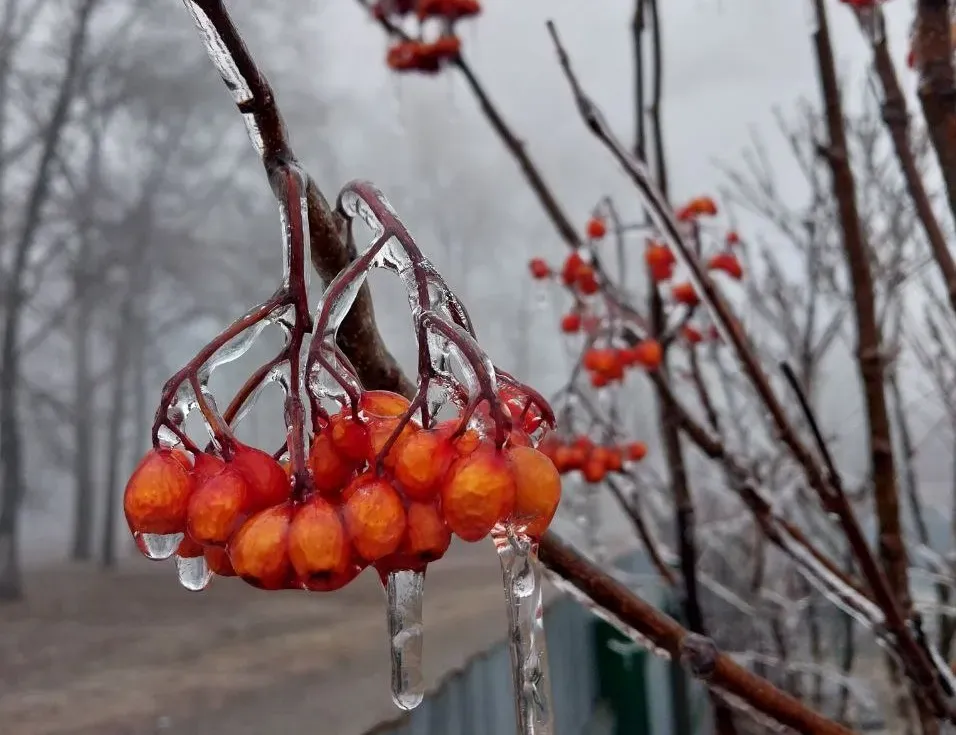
[378,370]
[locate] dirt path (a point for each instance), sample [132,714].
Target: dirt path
[132,654]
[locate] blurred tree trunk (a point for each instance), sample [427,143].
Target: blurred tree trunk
[14,300]
[125,324]
[127,339]
[83,512]
[83,384]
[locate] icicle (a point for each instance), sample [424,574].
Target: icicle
[404,590]
[159,546]
[521,577]
[194,573]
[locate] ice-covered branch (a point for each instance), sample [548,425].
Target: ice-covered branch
[822,478]
[330,248]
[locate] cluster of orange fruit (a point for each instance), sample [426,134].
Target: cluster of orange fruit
[607,365]
[418,55]
[594,461]
[396,511]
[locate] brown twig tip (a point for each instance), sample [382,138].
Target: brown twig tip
[699,654]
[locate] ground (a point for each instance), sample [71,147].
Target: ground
[131,653]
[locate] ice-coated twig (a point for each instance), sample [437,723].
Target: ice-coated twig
[853,685]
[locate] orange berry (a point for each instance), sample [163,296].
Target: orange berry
[157,494]
[477,491]
[380,430]
[539,269]
[422,458]
[334,580]
[184,458]
[206,466]
[383,403]
[594,469]
[189,549]
[259,550]
[684,293]
[349,437]
[561,456]
[218,507]
[648,353]
[636,451]
[519,438]
[571,323]
[446,46]
[692,335]
[583,442]
[537,489]
[614,459]
[374,518]
[697,207]
[218,561]
[728,263]
[577,457]
[660,261]
[267,481]
[427,537]
[318,548]
[572,266]
[464,444]
[596,228]
[330,470]
[602,360]
[586,281]
[706,206]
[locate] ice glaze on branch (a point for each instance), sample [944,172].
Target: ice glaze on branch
[331,248]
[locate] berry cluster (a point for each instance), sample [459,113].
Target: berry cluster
[417,54]
[593,461]
[385,492]
[608,364]
[379,481]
